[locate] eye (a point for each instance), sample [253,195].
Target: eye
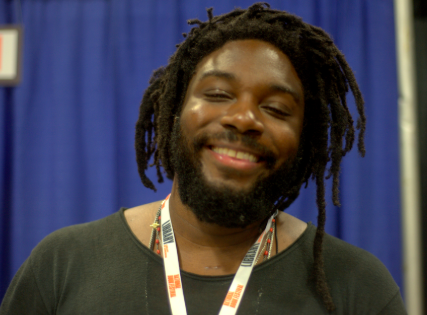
[217,95]
[275,111]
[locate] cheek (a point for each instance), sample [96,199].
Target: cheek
[196,115]
[287,142]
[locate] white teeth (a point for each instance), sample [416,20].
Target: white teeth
[242,156]
[236,154]
[231,153]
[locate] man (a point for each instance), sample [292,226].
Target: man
[250,106]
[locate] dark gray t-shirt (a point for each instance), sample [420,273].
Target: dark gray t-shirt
[101,268]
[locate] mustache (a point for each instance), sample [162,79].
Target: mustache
[233,137]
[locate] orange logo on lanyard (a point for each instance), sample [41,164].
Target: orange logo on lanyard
[233,297]
[174,283]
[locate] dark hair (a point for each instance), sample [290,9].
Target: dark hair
[328,132]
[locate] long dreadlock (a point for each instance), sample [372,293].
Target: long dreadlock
[324,74]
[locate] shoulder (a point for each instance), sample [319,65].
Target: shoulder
[81,233]
[113,229]
[70,244]
[84,246]
[346,257]
[39,282]
[357,276]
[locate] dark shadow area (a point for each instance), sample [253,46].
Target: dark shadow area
[7,16]
[420,26]
[5,197]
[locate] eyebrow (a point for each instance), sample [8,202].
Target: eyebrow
[219,74]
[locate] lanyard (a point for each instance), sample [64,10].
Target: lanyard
[173,274]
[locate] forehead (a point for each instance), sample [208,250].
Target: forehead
[251,60]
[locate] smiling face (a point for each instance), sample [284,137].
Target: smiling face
[240,125]
[250,88]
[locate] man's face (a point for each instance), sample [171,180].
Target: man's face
[240,125]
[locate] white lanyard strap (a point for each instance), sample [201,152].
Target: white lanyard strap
[240,281]
[171,263]
[173,274]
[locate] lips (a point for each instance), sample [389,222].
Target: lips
[236,154]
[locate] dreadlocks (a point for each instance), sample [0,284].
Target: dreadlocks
[324,73]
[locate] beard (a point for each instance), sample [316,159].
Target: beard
[221,204]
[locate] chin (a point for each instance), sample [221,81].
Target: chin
[230,185]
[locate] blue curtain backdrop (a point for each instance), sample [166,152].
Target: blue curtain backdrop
[66,132]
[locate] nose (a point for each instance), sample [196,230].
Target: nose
[244,117]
